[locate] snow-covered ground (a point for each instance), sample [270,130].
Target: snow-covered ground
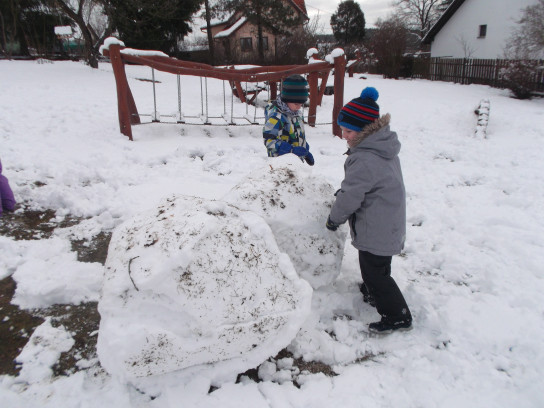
[472,270]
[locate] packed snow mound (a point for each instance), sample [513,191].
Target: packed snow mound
[197,284]
[296,205]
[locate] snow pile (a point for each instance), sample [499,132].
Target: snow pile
[66,280]
[198,284]
[296,205]
[43,350]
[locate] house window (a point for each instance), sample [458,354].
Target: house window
[265,43]
[245,44]
[483,31]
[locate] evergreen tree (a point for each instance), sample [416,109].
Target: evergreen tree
[151,24]
[348,23]
[275,16]
[27,24]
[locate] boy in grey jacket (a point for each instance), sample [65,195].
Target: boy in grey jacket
[372,198]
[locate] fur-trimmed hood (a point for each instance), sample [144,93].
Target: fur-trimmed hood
[371,128]
[378,139]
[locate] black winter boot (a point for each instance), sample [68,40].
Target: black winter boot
[387,325]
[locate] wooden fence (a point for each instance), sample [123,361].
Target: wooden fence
[469,71]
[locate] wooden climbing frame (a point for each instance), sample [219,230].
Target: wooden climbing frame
[128,113]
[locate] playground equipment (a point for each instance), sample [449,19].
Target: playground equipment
[271,75]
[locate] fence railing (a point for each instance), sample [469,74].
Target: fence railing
[470,71]
[126,106]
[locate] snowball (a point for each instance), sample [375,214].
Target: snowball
[296,206]
[266,371]
[197,285]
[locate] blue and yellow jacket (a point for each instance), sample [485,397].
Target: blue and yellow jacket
[282,125]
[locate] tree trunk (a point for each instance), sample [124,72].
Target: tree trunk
[211,51]
[91,52]
[260,46]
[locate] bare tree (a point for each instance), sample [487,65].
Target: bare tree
[419,15]
[292,49]
[208,16]
[468,49]
[91,19]
[273,15]
[388,45]
[527,39]
[524,48]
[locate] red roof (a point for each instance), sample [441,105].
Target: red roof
[301,5]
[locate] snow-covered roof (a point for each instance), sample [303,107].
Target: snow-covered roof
[231,29]
[63,30]
[444,18]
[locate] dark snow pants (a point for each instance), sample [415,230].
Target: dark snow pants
[376,273]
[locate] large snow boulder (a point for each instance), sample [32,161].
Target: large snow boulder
[197,284]
[296,204]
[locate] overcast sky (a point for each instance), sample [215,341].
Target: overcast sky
[372,9]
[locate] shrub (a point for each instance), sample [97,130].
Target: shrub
[520,76]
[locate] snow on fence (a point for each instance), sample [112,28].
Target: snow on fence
[317,70]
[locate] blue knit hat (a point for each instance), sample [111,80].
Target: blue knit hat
[294,89]
[359,112]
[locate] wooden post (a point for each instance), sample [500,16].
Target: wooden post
[324,78]
[312,81]
[339,73]
[273,90]
[241,95]
[126,106]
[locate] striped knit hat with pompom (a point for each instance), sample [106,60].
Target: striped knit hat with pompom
[359,112]
[294,89]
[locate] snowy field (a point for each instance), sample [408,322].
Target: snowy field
[472,270]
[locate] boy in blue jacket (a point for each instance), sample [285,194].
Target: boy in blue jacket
[373,199]
[284,126]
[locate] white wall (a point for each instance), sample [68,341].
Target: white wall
[500,16]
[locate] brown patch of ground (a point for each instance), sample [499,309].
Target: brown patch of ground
[81,321]
[27,224]
[16,326]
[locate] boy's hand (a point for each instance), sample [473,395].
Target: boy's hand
[309,159]
[284,148]
[331,226]
[300,151]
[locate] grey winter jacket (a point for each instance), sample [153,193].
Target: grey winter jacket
[372,195]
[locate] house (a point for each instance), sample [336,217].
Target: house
[236,39]
[475,28]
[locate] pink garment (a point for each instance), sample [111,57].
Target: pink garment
[6,194]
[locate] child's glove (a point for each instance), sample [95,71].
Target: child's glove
[331,225]
[284,148]
[300,151]
[309,159]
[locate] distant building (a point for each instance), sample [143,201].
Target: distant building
[475,28]
[236,39]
